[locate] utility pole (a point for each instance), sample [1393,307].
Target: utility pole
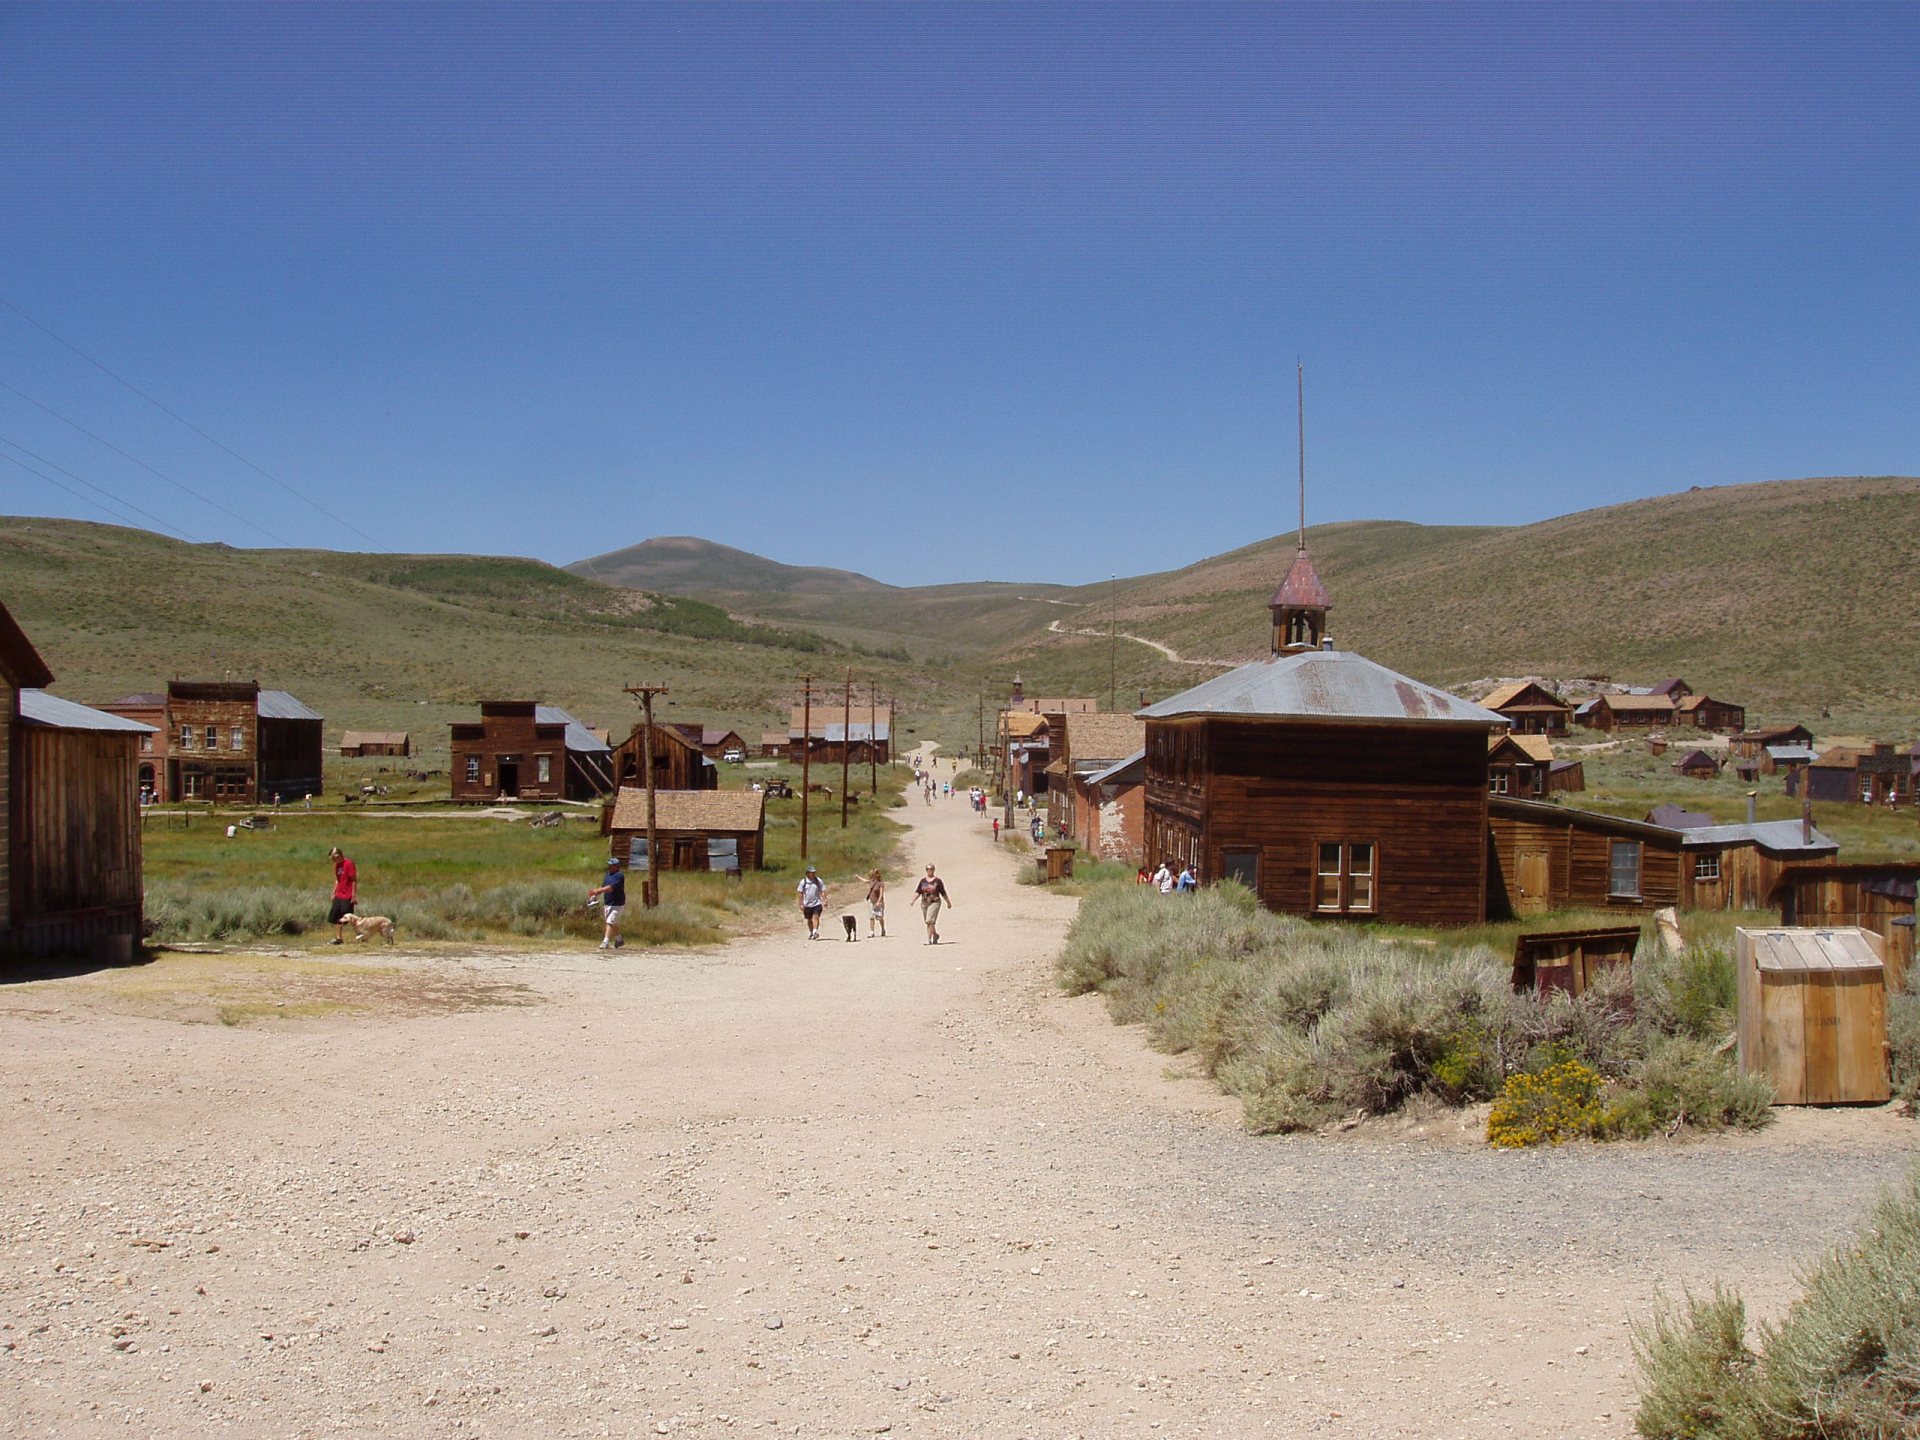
[873,740]
[980,729]
[1113,652]
[650,886]
[806,758]
[846,743]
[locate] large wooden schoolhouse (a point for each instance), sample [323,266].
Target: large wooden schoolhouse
[1328,784]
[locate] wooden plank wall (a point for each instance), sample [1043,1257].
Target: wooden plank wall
[1821,900]
[9,709]
[291,757]
[1579,864]
[510,734]
[80,847]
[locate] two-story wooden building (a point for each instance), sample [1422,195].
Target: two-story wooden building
[1330,785]
[1531,708]
[522,750]
[228,741]
[1518,764]
[678,761]
[1703,712]
[1849,774]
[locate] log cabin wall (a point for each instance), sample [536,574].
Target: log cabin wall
[1416,795]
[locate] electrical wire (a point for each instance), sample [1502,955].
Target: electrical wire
[104,509]
[176,415]
[117,499]
[102,440]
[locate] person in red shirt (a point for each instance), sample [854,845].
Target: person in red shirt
[346,886]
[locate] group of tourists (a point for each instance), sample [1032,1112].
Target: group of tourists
[931,893]
[1167,882]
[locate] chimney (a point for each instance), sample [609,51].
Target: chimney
[1143,697]
[1326,643]
[1750,795]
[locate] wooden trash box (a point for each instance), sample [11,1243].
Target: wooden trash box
[1059,862]
[1570,960]
[1813,1013]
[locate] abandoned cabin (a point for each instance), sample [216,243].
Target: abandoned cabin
[356,744]
[522,750]
[1518,764]
[1697,765]
[716,830]
[1876,897]
[712,741]
[1626,712]
[1531,708]
[1703,712]
[773,744]
[1097,816]
[1327,784]
[678,763]
[1851,775]
[227,741]
[865,739]
[1749,743]
[1566,776]
[70,867]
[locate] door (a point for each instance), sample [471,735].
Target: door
[1533,870]
[1241,865]
[510,779]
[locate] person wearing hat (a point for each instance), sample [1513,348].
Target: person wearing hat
[613,900]
[813,899]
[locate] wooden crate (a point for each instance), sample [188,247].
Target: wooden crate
[1570,960]
[1813,1013]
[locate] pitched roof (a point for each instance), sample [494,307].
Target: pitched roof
[141,701]
[1020,724]
[1300,587]
[1513,690]
[279,705]
[19,661]
[1772,732]
[37,707]
[1322,685]
[1536,748]
[1121,772]
[696,810]
[1696,757]
[1637,702]
[827,727]
[1768,834]
[1667,687]
[774,737]
[579,737]
[351,738]
[1104,736]
[1677,817]
[1791,752]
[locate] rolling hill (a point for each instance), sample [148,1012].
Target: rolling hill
[685,565]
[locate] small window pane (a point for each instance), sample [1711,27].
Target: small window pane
[1624,869]
[1360,892]
[1327,896]
[1360,859]
[637,854]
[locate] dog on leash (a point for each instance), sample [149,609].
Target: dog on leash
[852,925]
[365,926]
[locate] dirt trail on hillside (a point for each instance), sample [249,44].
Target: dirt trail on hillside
[816,1189]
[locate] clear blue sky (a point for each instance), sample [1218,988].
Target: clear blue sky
[949,291]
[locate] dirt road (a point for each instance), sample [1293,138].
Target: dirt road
[819,1189]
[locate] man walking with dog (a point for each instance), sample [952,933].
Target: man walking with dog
[346,894]
[812,891]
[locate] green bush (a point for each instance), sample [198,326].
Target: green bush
[1843,1364]
[1691,994]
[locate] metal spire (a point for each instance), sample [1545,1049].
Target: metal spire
[1300,386]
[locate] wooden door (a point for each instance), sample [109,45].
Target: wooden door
[1532,867]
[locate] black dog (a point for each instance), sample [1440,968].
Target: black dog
[852,925]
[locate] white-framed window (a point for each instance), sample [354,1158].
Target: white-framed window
[146,744]
[473,769]
[1497,781]
[187,737]
[1344,877]
[1623,870]
[1706,867]
[1866,789]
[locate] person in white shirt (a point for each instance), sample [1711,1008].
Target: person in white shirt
[812,891]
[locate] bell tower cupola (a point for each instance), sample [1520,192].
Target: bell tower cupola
[1299,607]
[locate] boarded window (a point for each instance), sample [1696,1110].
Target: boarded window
[1623,870]
[637,857]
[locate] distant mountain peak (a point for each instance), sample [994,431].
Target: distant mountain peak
[689,565]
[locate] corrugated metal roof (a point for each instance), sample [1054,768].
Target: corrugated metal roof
[1322,685]
[279,705]
[1678,817]
[697,810]
[1300,588]
[1118,771]
[579,737]
[1769,834]
[143,699]
[1791,752]
[37,707]
[836,732]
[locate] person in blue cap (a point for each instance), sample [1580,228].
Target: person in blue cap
[612,893]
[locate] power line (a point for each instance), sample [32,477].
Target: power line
[117,499]
[204,500]
[104,509]
[176,415]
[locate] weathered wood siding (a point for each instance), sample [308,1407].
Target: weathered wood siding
[81,828]
[509,731]
[687,851]
[291,758]
[213,767]
[1833,895]
[1418,796]
[678,763]
[9,719]
[1578,866]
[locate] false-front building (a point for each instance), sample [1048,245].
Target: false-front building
[521,750]
[1326,783]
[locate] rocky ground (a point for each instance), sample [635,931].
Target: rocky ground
[807,1189]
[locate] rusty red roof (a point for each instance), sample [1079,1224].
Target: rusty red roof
[1301,588]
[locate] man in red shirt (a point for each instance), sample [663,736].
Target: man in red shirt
[345,893]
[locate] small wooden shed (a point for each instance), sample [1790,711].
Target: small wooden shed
[1813,1014]
[358,743]
[1571,960]
[1697,765]
[718,830]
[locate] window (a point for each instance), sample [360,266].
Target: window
[724,855]
[237,739]
[1497,782]
[146,744]
[1866,789]
[1623,870]
[637,854]
[187,737]
[543,765]
[1706,867]
[473,769]
[1242,865]
[1344,878]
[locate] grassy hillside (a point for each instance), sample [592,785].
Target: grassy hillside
[389,640]
[685,565]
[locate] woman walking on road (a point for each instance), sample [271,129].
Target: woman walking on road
[932,891]
[876,903]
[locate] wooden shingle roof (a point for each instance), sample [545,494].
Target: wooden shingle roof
[1104,736]
[698,811]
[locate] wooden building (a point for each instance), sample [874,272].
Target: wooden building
[1812,1014]
[711,740]
[1026,749]
[1749,743]
[228,741]
[773,744]
[678,763]
[1566,777]
[1783,759]
[149,710]
[1671,816]
[1531,708]
[717,830]
[1674,690]
[1110,810]
[1876,897]
[865,740]
[1698,765]
[1093,743]
[70,865]
[522,750]
[1740,867]
[1326,783]
[1552,857]
[361,743]
[1630,712]
[1518,764]
[1850,775]
[1703,712]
